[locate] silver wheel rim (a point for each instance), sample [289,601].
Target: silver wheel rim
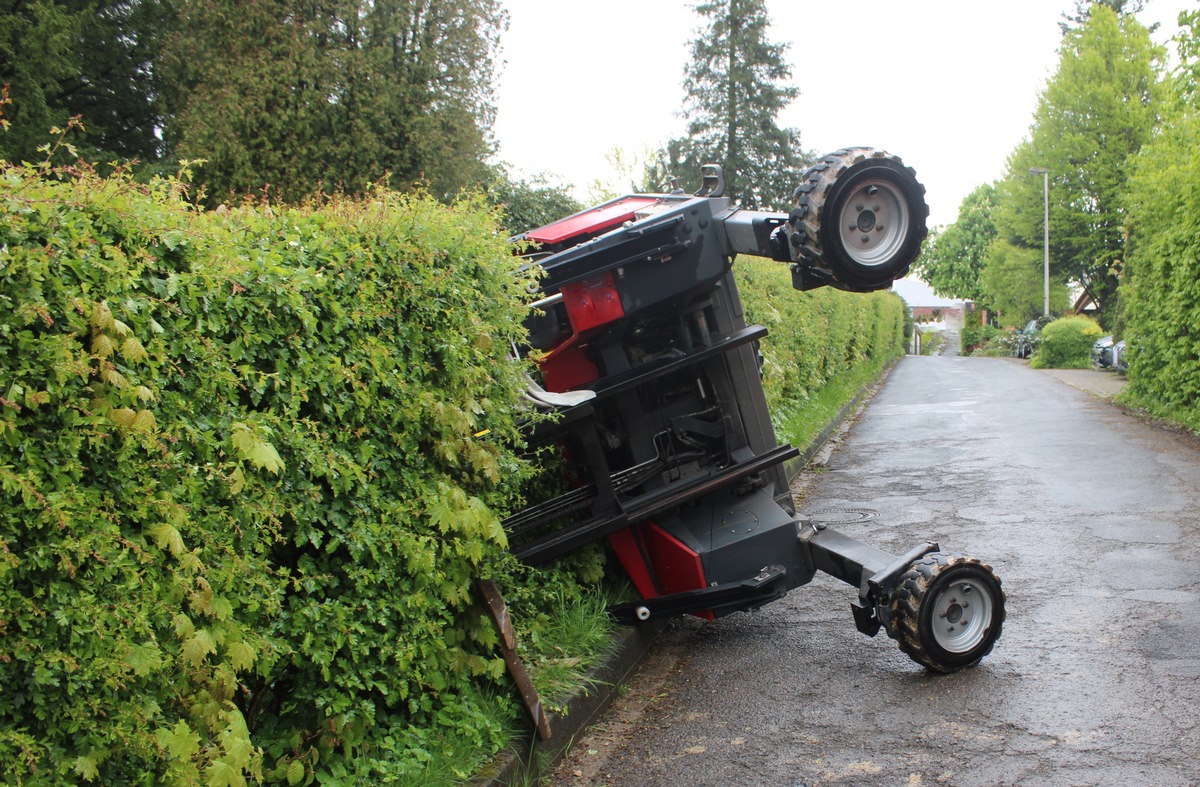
[962,615]
[874,222]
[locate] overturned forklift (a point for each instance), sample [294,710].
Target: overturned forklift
[653,378]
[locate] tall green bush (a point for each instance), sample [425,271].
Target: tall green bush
[975,335]
[250,464]
[1067,344]
[815,336]
[1161,290]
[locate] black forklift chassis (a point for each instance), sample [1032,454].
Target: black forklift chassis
[651,381]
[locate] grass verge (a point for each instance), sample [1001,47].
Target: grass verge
[801,422]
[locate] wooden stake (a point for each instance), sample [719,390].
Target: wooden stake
[508,648]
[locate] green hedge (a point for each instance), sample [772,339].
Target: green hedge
[1161,291]
[1067,343]
[251,464]
[815,336]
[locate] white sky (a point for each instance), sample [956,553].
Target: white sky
[950,86]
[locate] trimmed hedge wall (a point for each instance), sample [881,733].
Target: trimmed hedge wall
[815,336]
[251,464]
[1160,292]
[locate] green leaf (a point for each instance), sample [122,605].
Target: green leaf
[181,741]
[102,346]
[253,449]
[197,647]
[144,659]
[221,608]
[241,656]
[133,350]
[166,537]
[85,767]
[222,774]
[295,772]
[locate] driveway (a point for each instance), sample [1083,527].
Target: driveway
[1090,517]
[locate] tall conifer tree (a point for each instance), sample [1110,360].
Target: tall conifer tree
[86,58]
[299,97]
[737,83]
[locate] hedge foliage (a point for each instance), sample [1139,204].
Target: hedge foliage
[250,465]
[1067,343]
[815,336]
[1161,292]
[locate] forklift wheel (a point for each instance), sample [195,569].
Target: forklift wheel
[946,612]
[862,213]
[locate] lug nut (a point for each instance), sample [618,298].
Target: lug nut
[859,207]
[866,238]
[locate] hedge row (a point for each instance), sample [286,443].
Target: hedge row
[815,336]
[250,465]
[1161,290]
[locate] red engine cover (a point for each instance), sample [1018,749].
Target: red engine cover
[590,222]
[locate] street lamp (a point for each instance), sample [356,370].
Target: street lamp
[1045,173]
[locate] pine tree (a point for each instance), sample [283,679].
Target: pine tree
[288,99]
[88,59]
[737,83]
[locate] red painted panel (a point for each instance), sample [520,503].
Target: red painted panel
[591,302]
[568,369]
[676,566]
[591,222]
[625,544]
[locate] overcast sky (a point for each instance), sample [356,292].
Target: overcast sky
[950,86]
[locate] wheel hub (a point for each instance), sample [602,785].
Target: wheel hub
[962,614]
[875,221]
[866,221]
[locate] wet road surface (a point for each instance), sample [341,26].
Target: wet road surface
[1090,518]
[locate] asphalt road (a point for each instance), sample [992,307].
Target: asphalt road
[1089,516]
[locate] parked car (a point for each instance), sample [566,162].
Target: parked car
[1027,339]
[1120,361]
[1102,352]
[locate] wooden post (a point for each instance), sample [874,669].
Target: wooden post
[508,649]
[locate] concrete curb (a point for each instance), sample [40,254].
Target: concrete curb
[530,759]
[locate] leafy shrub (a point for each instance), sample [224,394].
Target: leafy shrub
[1007,344]
[815,336]
[251,464]
[975,336]
[933,343]
[1161,290]
[1067,344]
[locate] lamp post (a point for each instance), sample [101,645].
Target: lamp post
[1045,173]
